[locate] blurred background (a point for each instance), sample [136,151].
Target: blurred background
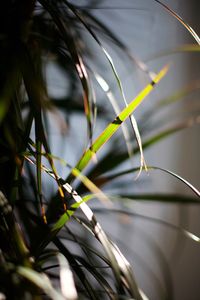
[166,263]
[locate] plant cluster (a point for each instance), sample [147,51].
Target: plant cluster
[44,250]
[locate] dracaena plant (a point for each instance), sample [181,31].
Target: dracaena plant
[44,250]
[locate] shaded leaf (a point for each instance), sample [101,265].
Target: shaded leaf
[41,281]
[187,26]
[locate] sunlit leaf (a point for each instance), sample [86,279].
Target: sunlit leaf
[112,160]
[114,126]
[67,284]
[104,85]
[118,262]
[118,80]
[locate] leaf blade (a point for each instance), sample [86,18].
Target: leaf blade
[113,126]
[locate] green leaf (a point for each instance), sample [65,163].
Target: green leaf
[114,126]
[113,159]
[104,85]
[120,266]
[84,179]
[118,80]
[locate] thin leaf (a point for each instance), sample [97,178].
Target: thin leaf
[180,49]
[162,222]
[77,269]
[161,198]
[114,126]
[104,85]
[41,281]
[112,160]
[116,258]
[37,96]
[88,250]
[187,26]
[188,184]
[188,48]
[119,43]
[67,284]
[39,179]
[65,31]
[109,58]
[84,179]
[178,95]
[100,279]
[195,190]
[162,261]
